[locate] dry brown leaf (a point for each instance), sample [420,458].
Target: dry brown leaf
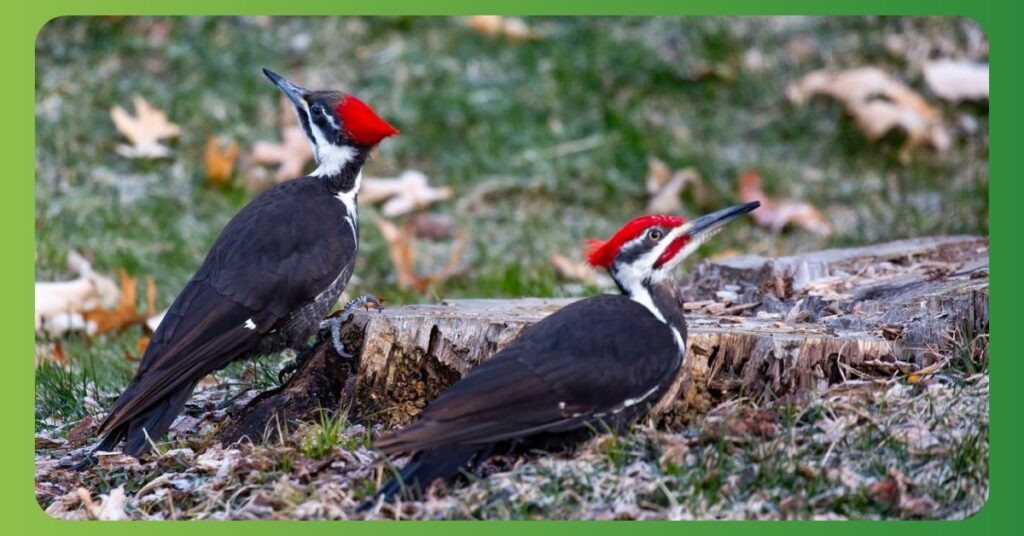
[219,164]
[957,80]
[82,432]
[878,103]
[402,250]
[513,28]
[51,353]
[406,193]
[432,226]
[110,507]
[59,304]
[125,313]
[291,154]
[666,188]
[777,214]
[573,270]
[144,130]
[658,174]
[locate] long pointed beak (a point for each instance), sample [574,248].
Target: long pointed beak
[708,224]
[293,91]
[686,238]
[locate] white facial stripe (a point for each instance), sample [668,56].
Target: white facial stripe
[631,276]
[330,158]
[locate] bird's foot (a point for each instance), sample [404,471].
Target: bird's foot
[290,367]
[333,324]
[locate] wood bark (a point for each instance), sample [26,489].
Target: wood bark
[758,327]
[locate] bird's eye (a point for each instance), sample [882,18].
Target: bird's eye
[318,111]
[654,234]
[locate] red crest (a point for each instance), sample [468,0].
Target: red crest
[602,253]
[362,123]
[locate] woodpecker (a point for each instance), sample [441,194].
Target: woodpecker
[595,365]
[276,269]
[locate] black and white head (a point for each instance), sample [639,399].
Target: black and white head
[340,127]
[645,251]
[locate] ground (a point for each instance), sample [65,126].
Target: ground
[546,142]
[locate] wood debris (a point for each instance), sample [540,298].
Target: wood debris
[144,130]
[878,103]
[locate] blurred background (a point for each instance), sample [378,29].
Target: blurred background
[520,139]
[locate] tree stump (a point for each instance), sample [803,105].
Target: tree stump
[758,327]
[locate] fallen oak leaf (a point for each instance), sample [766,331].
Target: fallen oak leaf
[957,80]
[290,155]
[59,304]
[51,353]
[666,188]
[402,251]
[124,314]
[406,193]
[572,270]
[219,164]
[878,104]
[294,151]
[110,507]
[513,28]
[144,130]
[777,214]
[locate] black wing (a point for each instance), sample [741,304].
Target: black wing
[278,253]
[589,360]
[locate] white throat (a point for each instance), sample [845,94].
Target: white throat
[331,158]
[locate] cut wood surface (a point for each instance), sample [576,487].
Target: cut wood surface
[759,327]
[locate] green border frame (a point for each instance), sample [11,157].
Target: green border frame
[22,22]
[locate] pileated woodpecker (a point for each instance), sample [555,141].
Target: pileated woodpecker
[277,268]
[597,364]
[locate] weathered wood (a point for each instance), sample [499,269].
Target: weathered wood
[760,327]
[317,385]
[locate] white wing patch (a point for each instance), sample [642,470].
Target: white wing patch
[249,324]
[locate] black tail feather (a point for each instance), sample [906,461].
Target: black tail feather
[422,470]
[137,433]
[154,423]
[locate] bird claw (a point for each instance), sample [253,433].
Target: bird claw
[330,326]
[334,324]
[293,365]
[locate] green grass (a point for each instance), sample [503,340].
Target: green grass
[551,135]
[477,110]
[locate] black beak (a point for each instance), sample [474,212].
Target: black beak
[293,91]
[710,223]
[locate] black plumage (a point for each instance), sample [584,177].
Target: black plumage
[596,365]
[556,381]
[273,273]
[269,279]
